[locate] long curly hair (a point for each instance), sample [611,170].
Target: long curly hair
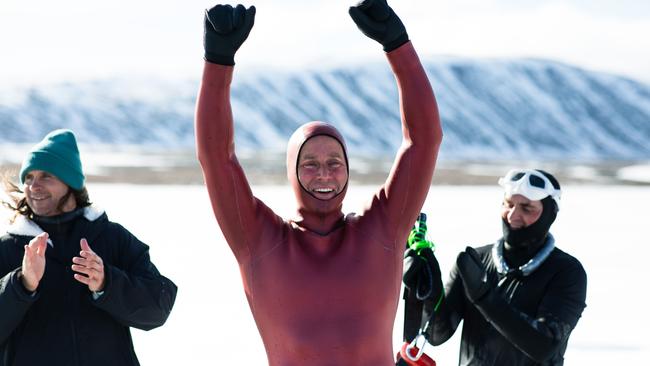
[16,201]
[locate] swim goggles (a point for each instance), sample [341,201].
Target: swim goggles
[531,184]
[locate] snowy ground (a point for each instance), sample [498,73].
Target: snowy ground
[605,227]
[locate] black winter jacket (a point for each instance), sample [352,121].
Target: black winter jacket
[61,324]
[524,320]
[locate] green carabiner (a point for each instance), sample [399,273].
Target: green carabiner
[417,239]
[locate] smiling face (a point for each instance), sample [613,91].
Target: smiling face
[520,212]
[322,169]
[44,191]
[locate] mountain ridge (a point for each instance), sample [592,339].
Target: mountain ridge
[491,109]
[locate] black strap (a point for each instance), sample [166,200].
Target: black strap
[413,308]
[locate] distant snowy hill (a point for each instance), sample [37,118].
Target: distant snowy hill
[491,110]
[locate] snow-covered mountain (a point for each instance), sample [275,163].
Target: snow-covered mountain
[491,110]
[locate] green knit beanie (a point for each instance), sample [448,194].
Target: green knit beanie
[58,155]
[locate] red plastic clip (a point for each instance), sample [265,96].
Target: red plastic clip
[413,357]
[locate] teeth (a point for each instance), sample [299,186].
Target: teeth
[324,190]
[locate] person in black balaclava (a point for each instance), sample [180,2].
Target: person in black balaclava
[523,239]
[520,297]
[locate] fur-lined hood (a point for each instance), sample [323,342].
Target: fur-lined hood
[23,226]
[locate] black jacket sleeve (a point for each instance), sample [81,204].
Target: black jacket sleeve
[14,303]
[561,307]
[450,313]
[135,293]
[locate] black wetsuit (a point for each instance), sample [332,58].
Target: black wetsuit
[523,320]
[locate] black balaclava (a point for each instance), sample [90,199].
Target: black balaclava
[522,244]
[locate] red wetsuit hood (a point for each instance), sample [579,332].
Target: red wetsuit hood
[320,216]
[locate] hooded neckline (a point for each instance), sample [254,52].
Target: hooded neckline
[314,214]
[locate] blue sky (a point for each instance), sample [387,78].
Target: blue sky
[85,39]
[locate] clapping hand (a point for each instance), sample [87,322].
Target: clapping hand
[33,266]
[90,268]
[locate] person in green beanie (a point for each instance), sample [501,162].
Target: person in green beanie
[72,283]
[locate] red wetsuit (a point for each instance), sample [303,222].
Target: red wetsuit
[323,287]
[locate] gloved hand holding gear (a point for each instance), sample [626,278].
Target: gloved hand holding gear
[422,274]
[473,274]
[226,28]
[378,21]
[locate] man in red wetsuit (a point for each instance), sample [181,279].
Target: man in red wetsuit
[323,287]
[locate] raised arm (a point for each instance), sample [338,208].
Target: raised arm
[226,28]
[408,182]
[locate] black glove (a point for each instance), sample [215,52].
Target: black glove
[225,31]
[378,21]
[422,274]
[471,270]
